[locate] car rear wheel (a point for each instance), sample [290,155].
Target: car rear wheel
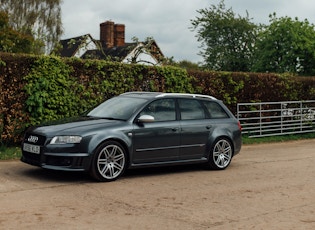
[109,161]
[221,154]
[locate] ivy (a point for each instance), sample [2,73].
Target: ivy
[2,63]
[50,90]
[176,79]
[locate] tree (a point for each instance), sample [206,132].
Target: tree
[227,40]
[40,18]
[12,41]
[185,64]
[146,47]
[286,45]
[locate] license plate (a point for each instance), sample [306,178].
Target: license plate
[31,148]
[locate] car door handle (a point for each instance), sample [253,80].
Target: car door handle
[208,127]
[174,129]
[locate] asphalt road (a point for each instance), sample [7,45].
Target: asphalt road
[267,186]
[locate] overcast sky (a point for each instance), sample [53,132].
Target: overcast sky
[168,21]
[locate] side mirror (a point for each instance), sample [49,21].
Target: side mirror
[145,119]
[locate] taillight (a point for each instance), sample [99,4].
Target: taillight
[239,125]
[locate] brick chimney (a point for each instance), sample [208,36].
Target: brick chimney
[107,33]
[112,34]
[119,35]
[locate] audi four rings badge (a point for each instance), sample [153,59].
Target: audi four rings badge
[32,139]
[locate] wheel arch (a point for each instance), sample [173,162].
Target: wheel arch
[213,140]
[97,142]
[215,161]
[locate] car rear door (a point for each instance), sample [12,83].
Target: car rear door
[195,129]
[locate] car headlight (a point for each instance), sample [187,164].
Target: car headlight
[66,140]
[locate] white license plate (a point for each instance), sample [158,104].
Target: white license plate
[31,148]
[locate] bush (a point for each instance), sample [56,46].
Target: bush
[34,89]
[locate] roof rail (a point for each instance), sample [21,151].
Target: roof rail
[139,92]
[186,94]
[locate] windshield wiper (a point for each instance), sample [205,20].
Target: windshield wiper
[107,118]
[112,118]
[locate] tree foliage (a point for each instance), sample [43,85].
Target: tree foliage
[40,18]
[11,40]
[188,65]
[145,48]
[232,43]
[286,45]
[227,40]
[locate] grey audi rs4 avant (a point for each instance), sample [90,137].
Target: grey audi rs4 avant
[137,129]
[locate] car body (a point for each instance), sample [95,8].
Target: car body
[137,129]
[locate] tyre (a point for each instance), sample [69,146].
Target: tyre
[109,161]
[220,154]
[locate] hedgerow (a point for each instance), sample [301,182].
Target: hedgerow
[34,89]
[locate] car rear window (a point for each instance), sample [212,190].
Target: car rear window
[215,110]
[191,109]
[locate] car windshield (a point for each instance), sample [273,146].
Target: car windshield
[117,108]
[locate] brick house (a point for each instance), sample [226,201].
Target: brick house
[112,46]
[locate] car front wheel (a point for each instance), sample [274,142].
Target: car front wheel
[109,161]
[221,154]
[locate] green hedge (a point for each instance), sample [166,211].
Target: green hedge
[235,88]
[34,89]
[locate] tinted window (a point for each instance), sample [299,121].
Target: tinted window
[215,110]
[191,109]
[161,110]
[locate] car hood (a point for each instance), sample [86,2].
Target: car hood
[73,126]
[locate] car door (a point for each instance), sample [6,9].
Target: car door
[157,141]
[195,129]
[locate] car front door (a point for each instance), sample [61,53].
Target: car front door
[157,141]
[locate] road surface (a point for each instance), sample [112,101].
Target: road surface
[267,186]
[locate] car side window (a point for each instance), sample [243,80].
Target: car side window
[215,110]
[161,110]
[191,109]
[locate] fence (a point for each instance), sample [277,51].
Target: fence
[276,118]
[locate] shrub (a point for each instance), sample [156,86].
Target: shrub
[34,89]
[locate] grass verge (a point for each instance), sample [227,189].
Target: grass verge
[258,140]
[10,153]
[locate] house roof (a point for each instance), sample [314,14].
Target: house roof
[111,45]
[71,46]
[121,52]
[118,52]
[78,46]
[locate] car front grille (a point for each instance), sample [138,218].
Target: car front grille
[34,139]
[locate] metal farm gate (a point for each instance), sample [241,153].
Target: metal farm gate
[276,118]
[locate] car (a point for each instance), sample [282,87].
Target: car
[137,129]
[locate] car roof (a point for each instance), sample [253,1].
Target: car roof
[160,95]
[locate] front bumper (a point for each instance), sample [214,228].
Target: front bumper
[58,161]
